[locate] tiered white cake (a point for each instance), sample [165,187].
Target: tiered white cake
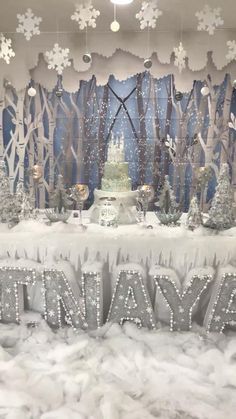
[116,170]
[116,184]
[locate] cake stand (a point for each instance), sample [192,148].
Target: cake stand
[124,201]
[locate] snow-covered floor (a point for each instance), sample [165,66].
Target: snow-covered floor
[116,373]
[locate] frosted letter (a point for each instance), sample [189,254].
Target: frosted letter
[60,302]
[130,301]
[11,291]
[222,308]
[92,295]
[181,306]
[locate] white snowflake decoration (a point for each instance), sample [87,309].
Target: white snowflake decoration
[58,59]
[148,14]
[180,57]
[6,51]
[85,15]
[170,145]
[51,313]
[209,19]
[232,123]
[231,50]
[28,24]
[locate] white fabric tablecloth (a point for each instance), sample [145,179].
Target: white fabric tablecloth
[174,247]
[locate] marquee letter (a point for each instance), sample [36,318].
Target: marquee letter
[130,301]
[93,298]
[11,291]
[181,306]
[58,296]
[161,309]
[220,310]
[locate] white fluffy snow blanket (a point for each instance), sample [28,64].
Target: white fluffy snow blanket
[116,373]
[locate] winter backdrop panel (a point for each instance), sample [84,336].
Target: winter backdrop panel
[163,136]
[112,95]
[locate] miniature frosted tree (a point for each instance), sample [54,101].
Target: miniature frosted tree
[168,209]
[24,202]
[167,200]
[221,212]
[6,197]
[60,200]
[194,217]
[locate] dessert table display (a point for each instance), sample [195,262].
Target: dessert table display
[117,209]
[117,274]
[175,272]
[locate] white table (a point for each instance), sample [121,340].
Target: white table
[174,247]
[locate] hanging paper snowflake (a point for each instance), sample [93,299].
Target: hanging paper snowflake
[85,15]
[28,24]
[58,59]
[180,57]
[148,14]
[6,51]
[209,19]
[231,51]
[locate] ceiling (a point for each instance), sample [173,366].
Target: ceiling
[56,13]
[120,53]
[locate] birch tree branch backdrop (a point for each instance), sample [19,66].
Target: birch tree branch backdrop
[70,135]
